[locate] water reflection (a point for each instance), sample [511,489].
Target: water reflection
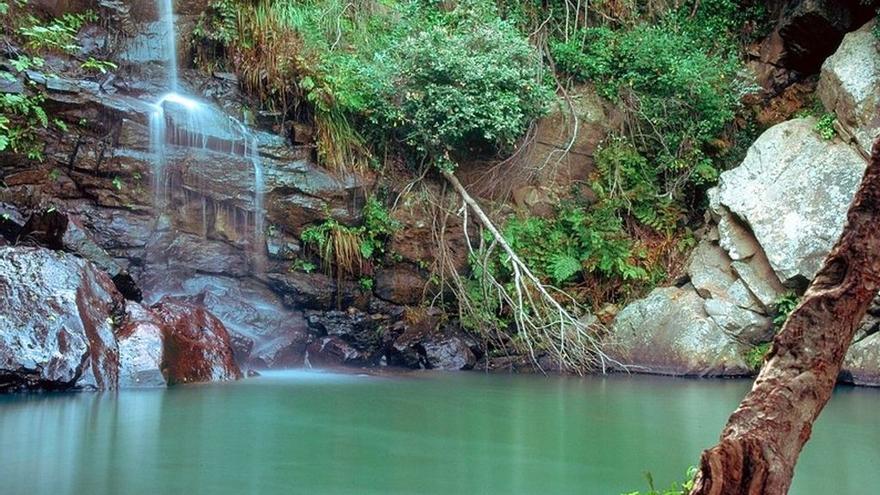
[342,434]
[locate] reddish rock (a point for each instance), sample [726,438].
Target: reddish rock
[401,284]
[197,345]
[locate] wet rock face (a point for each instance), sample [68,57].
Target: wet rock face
[401,284]
[64,231]
[56,327]
[197,345]
[141,348]
[435,348]
[334,351]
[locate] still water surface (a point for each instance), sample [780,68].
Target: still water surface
[323,433]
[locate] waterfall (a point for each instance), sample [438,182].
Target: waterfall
[181,121]
[166,11]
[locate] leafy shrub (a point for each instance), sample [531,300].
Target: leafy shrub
[783,307]
[678,80]
[469,81]
[22,115]
[755,356]
[676,489]
[349,248]
[58,34]
[406,70]
[627,182]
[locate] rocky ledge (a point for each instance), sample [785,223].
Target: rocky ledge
[774,219]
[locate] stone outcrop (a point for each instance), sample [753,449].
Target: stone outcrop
[670,333]
[197,345]
[65,326]
[56,326]
[792,191]
[776,217]
[141,348]
[850,85]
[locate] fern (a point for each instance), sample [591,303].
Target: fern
[562,267]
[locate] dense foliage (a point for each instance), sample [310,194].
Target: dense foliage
[406,71]
[351,249]
[427,81]
[678,79]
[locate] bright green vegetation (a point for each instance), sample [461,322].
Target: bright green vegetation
[755,356]
[57,34]
[679,80]
[346,248]
[782,308]
[825,126]
[675,489]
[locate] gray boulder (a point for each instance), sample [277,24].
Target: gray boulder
[850,85]
[793,191]
[670,333]
[56,327]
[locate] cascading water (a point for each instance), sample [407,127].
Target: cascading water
[166,11]
[186,123]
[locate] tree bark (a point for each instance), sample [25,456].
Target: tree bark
[763,438]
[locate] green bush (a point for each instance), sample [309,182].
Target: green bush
[58,34]
[457,82]
[755,356]
[783,307]
[404,71]
[349,248]
[675,489]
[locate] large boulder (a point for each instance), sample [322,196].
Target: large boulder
[670,333]
[64,231]
[197,345]
[850,85]
[56,326]
[793,191]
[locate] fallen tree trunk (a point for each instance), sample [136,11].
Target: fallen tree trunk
[763,438]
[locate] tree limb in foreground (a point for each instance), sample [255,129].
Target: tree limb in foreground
[763,438]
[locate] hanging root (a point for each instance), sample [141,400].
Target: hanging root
[543,324]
